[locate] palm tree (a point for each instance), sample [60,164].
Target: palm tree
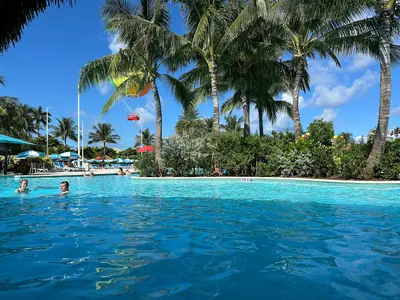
[145,30]
[374,36]
[16,119]
[207,23]
[66,129]
[146,138]
[16,15]
[208,125]
[233,124]
[189,122]
[2,81]
[103,133]
[40,118]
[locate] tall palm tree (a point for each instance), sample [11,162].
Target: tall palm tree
[207,23]
[66,129]
[40,118]
[145,29]
[15,15]
[374,36]
[105,134]
[146,138]
[233,124]
[189,122]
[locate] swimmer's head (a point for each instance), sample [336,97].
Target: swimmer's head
[23,184]
[64,186]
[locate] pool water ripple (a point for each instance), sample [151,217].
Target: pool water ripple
[117,238]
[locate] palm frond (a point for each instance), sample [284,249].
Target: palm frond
[180,91]
[232,103]
[2,81]
[16,15]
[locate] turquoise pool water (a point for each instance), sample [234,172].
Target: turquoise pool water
[120,238]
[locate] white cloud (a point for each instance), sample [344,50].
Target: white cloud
[282,123]
[395,111]
[323,72]
[289,98]
[104,88]
[113,44]
[328,114]
[360,62]
[359,138]
[337,95]
[147,113]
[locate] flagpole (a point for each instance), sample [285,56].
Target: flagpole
[79,126]
[47,131]
[83,144]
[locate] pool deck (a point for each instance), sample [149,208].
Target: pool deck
[271,178]
[101,172]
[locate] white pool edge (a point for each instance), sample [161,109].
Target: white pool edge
[271,179]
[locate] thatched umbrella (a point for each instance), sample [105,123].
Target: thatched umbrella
[16,14]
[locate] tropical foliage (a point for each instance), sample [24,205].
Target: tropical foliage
[103,133]
[16,15]
[65,129]
[145,138]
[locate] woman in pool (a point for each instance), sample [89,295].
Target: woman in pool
[23,187]
[121,172]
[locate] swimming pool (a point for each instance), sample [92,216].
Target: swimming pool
[120,238]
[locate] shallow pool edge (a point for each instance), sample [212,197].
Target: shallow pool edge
[271,179]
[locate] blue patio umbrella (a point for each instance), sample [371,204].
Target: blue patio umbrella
[70,155]
[92,160]
[55,156]
[30,154]
[109,160]
[6,141]
[119,160]
[127,161]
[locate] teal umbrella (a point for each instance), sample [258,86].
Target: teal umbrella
[6,141]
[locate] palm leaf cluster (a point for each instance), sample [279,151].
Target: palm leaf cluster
[15,15]
[103,133]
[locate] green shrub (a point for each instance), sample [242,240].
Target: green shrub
[389,164]
[321,132]
[146,164]
[352,163]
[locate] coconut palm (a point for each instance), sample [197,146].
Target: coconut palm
[150,45]
[189,122]
[146,138]
[105,134]
[40,118]
[374,36]
[66,129]
[16,15]
[16,119]
[207,23]
[233,124]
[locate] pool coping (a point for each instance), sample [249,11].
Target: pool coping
[271,179]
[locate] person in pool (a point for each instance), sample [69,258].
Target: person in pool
[23,186]
[64,187]
[121,172]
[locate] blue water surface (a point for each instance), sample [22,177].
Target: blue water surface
[121,238]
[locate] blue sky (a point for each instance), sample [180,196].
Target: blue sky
[43,70]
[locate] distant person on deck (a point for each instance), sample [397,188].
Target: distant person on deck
[121,172]
[23,187]
[64,187]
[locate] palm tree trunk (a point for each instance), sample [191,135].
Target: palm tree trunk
[65,144]
[104,149]
[295,95]
[158,145]
[246,114]
[214,94]
[385,96]
[260,120]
